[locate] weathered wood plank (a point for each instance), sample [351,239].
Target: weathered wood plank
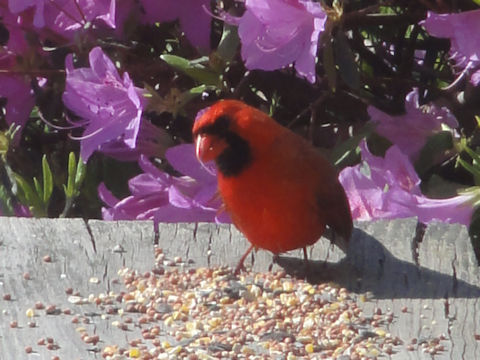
[80,255]
[438,296]
[447,249]
[24,243]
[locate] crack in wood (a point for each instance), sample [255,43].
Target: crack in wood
[454,276]
[417,240]
[195,228]
[90,233]
[105,272]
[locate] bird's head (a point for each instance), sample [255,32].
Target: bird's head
[226,132]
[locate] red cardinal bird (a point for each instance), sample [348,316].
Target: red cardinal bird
[279,191]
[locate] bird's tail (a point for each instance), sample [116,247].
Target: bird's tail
[341,240]
[339,221]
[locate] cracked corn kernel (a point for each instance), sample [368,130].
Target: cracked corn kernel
[30,313]
[134,353]
[168,321]
[287,286]
[225,300]
[214,322]
[175,350]
[309,348]
[204,341]
[247,351]
[110,350]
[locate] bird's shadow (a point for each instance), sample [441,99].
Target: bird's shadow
[369,267]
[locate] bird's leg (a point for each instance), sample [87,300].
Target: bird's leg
[240,265]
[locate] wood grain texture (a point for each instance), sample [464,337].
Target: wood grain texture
[432,286]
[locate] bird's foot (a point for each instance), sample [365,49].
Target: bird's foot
[240,267]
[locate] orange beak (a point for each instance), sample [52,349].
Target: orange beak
[208,147]
[202,144]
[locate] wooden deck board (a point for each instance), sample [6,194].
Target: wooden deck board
[440,294]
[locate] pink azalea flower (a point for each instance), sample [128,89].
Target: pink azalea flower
[411,130]
[20,100]
[463,30]
[152,141]
[15,87]
[475,78]
[388,188]
[22,211]
[18,211]
[277,33]
[17,6]
[160,197]
[110,106]
[16,26]
[192,14]
[66,17]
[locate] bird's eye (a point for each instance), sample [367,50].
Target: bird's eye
[222,124]
[220,127]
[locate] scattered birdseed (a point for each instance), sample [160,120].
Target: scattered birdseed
[51,310]
[39,305]
[208,313]
[47,259]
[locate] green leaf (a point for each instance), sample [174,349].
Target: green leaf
[27,194]
[80,174]
[47,180]
[227,48]
[475,157]
[345,150]
[474,232]
[194,68]
[476,2]
[475,171]
[69,188]
[434,148]
[474,167]
[38,188]
[345,59]
[76,175]
[6,202]
[4,143]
